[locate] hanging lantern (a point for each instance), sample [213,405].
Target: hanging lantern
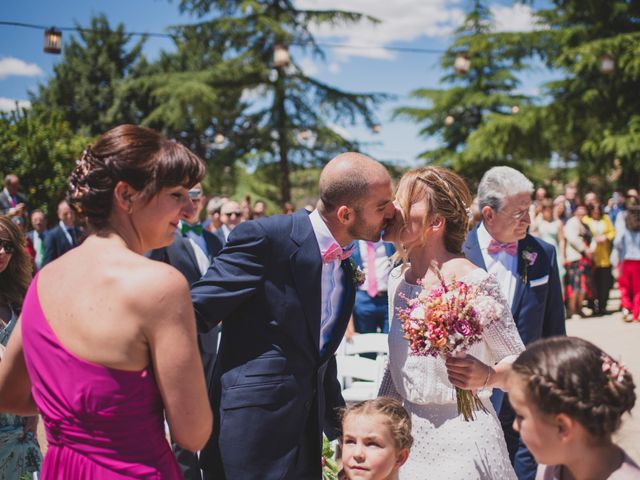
[52,41]
[218,139]
[376,128]
[281,56]
[462,64]
[515,109]
[449,120]
[607,64]
[305,134]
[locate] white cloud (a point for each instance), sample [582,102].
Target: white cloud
[9,104]
[308,66]
[513,18]
[401,21]
[10,66]
[334,68]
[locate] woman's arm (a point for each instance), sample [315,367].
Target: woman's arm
[171,331]
[15,385]
[469,373]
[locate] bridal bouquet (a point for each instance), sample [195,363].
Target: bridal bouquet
[329,465]
[445,321]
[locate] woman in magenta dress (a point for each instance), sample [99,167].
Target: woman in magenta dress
[106,345]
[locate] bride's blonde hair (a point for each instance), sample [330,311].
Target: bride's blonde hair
[445,193]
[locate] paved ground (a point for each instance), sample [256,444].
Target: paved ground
[619,339]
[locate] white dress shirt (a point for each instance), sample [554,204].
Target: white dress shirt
[501,264]
[331,283]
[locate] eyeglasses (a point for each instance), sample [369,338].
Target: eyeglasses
[237,213]
[7,246]
[518,215]
[195,193]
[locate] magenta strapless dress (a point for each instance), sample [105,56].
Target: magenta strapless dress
[101,423]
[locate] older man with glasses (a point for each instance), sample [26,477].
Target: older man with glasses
[527,272]
[230,216]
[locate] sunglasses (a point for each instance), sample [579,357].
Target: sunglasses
[237,213]
[7,246]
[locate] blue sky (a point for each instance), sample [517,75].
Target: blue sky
[407,23]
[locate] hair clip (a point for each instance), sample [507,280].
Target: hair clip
[612,369]
[469,213]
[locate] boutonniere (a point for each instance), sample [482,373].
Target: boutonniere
[529,258]
[357,274]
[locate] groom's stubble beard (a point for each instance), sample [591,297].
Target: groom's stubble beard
[361,230]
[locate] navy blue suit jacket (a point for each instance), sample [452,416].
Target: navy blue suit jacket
[56,243]
[357,258]
[274,391]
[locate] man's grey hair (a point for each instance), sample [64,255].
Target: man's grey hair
[501,182]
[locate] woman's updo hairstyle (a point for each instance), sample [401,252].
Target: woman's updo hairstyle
[445,194]
[572,376]
[136,155]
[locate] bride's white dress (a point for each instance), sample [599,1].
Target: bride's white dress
[445,446]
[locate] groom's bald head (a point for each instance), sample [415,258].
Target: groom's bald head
[347,179]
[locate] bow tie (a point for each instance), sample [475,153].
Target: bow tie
[186,228]
[497,247]
[335,252]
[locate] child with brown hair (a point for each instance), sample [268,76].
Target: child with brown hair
[569,397]
[376,439]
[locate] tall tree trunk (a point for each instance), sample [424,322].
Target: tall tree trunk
[283,147]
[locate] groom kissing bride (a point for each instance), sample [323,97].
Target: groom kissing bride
[283,290]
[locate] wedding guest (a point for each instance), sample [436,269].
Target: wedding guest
[107,348]
[212,223]
[602,234]
[288,208]
[245,207]
[579,265]
[12,202]
[628,246]
[376,439]
[37,235]
[570,199]
[19,451]
[230,217]
[559,209]
[259,209]
[550,229]
[64,236]
[526,269]
[191,252]
[371,309]
[570,397]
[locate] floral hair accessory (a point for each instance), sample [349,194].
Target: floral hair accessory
[612,369]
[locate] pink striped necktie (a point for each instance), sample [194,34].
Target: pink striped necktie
[372,280]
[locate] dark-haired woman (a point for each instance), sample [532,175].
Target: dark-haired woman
[108,337]
[628,245]
[569,397]
[19,451]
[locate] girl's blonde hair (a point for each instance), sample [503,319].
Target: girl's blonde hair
[398,420]
[445,193]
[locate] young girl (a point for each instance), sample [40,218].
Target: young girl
[569,397]
[376,438]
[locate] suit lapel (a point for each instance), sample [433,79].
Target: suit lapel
[306,267]
[521,284]
[472,249]
[185,245]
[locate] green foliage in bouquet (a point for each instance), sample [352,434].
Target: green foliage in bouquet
[329,465]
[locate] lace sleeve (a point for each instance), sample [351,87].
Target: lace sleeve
[502,336]
[387,388]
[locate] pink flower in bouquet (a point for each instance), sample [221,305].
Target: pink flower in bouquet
[445,321]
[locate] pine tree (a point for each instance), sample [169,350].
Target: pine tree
[289,122]
[480,84]
[84,83]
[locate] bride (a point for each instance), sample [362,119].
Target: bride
[430,228]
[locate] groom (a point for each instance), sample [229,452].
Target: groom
[283,288]
[527,271]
